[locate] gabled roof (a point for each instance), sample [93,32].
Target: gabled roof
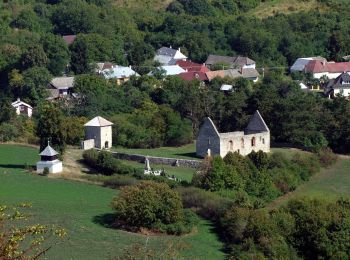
[119,72]
[341,82]
[192,66]
[208,121]
[18,103]
[247,73]
[192,75]
[48,151]
[165,51]
[62,82]
[69,39]
[104,65]
[234,61]
[300,63]
[256,124]
[171,70]
[317,66]
[98,121]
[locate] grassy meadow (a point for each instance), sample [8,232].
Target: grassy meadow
[182,152]
[83,210]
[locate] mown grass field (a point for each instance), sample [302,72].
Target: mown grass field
[80,209]
[183,152]
[329,184]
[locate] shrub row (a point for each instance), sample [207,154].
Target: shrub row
[105,163]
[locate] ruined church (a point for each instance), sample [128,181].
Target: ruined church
[255,137]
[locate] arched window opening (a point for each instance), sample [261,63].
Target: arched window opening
[253,142]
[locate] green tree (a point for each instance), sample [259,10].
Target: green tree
[34,56]
[50,126]
[57,53]
[147,204]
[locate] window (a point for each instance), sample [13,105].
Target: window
[253,142]
[242,143]
[263,140]
[231,145]
[208,141]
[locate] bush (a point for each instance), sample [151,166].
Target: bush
[207,204]
[117,181]
[148,204]
[105,162]
[8,132]
[46,171]
[326,157]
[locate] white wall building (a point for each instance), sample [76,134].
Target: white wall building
[169,56]
[22,108]
[49,160]
[98,134]
[255,137]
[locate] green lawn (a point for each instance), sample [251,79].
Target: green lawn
[183,173]
[182,152]
[329,184]
[78,207]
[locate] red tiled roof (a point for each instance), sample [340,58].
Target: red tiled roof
[317,66]
[69,39]
[191,75]
[192,66]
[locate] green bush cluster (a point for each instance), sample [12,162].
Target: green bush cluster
[304,228]
[154,206]
[151,126]
[105,163]
[258,178]
[207,204]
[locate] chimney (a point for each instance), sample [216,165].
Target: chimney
[18,99]
[170,47]
[179,49]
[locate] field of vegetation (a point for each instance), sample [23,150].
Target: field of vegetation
[181,152]
[82,210]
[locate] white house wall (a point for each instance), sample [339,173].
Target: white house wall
[345,92]
[242,144]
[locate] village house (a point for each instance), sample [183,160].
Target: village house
[248,73]
[119,73]
[331,70]
[234,62]
[98,134]
[49,160]
[338,86]
[193,71]
[255,137]
[300,63]
[22,108]
[169,70]
[60,87]
[169,56]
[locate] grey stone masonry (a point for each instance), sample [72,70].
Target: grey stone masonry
[158,160]
[255,137]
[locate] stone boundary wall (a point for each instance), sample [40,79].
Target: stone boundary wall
[158,160]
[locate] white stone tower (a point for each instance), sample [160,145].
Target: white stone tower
[98,134]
